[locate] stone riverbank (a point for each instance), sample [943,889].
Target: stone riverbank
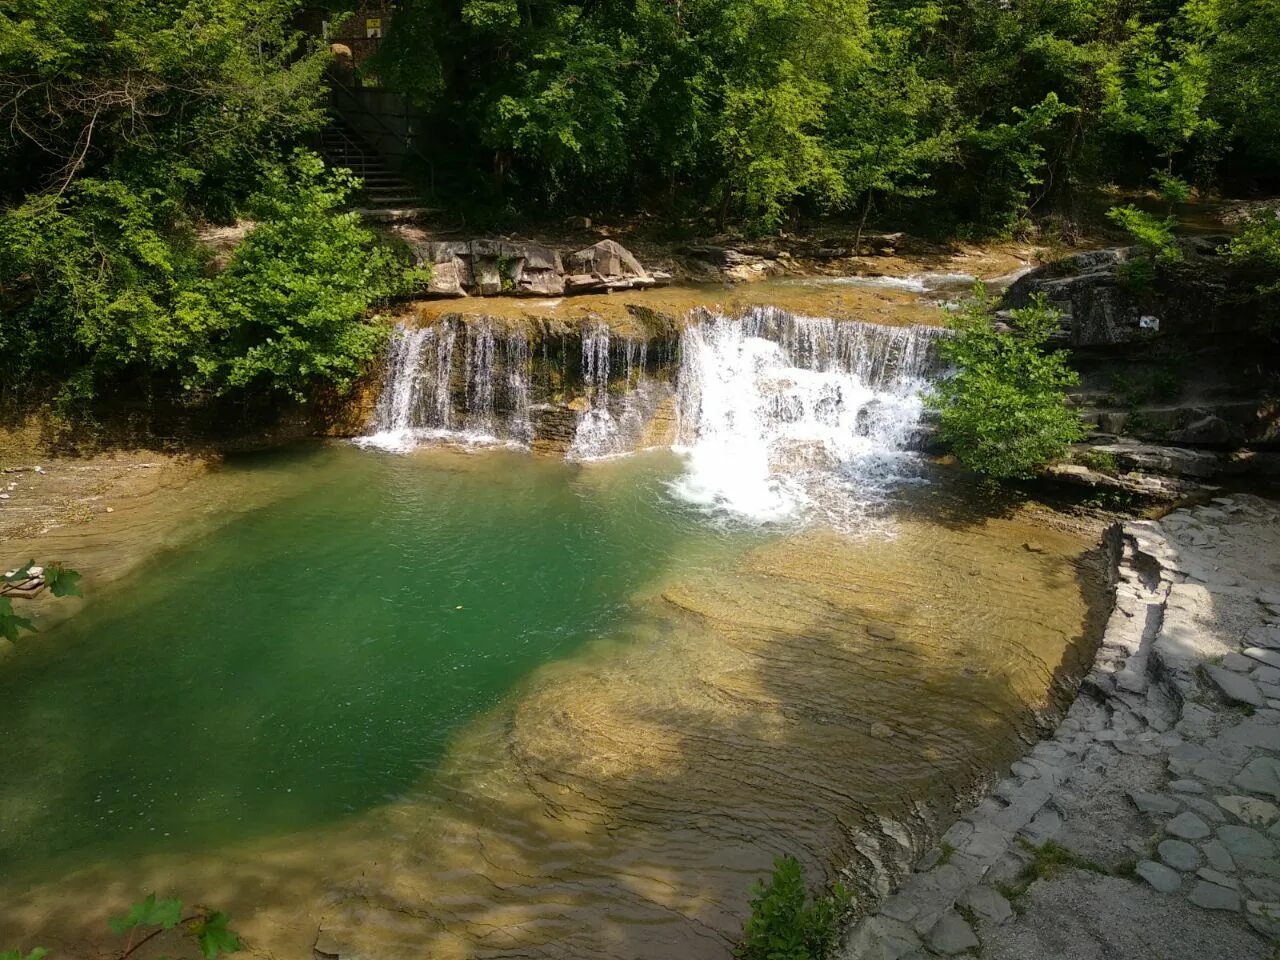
[1149,824]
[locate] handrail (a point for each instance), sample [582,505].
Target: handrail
[350,146]
[408,142]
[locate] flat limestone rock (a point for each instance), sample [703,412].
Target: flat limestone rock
[1213,897]
[1159,876]
[1218,856]
[989,903]
[951,935]
[1267,637]
[1180,855]
[1255,812]
[1261,775]
[1264,917]
[1236,687]
[1221,879]
[1154,803]
[1268,658]
[1187,826]
[1238,662]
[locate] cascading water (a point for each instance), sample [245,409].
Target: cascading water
[432,393]
[784,417]
[612,426]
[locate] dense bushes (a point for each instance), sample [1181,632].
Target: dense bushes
[288,311]
[129,124]
[108,284]
[1003,411]
[754,110]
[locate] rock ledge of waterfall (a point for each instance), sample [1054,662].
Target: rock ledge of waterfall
[488,268]
[1163,780]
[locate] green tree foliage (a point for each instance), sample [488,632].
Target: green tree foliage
[107,283]
[288,311]
[182,95]
[757,110]
[1257,250]
[785,924]
[130,124]
[1003,411]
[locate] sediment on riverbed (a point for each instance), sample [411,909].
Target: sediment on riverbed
[1148,824]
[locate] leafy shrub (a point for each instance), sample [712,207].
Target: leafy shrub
[108,284]
[1257,250]
[289,310]
[1003,411]
[1102,461]
[1153,235]
[784,924]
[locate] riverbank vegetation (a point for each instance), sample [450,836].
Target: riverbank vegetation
[1003,410]
[786,923]
[131,124]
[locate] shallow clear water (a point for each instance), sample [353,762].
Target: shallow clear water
[313,657]
[473,705]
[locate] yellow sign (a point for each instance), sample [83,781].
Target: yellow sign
[373,27]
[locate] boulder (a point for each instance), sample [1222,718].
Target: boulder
[489,267]
[1086,287]
[1208,430]
[607,260]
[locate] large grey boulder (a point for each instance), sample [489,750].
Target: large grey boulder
[486,268]
[605,266]
[1086,287]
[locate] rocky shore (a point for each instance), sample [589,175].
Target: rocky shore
[1148,825]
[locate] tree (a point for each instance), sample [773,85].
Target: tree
[1003,409]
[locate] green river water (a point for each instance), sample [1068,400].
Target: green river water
[313,657]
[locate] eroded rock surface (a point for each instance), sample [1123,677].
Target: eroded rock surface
[1158,792]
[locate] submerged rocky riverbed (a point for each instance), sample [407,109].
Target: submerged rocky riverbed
[800,689]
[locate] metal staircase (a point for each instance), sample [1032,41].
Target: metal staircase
[384,189]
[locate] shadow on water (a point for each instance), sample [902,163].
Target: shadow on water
[826,697]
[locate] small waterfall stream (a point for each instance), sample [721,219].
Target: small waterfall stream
[783,417]
[778,416]
[434,391]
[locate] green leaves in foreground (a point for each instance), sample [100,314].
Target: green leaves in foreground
[37,954]
[62,582]
[207,928]
[165,914]
[212,935]
[10,624]
[784,924]
[1004,411]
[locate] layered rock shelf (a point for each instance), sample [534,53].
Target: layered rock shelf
[487,268]
[1149,824]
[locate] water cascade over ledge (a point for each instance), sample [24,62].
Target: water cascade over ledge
[779,417]
[784,417]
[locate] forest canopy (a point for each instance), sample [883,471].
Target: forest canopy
[127,125]
[758,109]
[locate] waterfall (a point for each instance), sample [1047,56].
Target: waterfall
[430,393]
[783,417]
[613,426]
